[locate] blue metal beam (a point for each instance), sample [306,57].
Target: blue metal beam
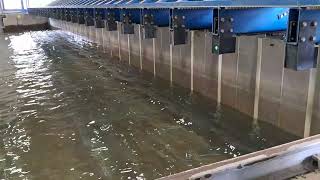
[230,22]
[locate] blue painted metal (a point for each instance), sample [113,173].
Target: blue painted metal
[195,18]
[134,13]
[115,12]
[205,3]
[226,19]
[254,20]
[161,16]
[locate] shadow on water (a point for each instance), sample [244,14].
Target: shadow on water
[69,112]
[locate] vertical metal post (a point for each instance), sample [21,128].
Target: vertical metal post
[171,58]
[154,56]
[1,24]
[310,99]
[219,78]
[103,39]
[238,40]
[111,45]
[1,7]
[22,6]
[119,44]
[258,77]
[192,59]
[140,47]
[281,94]
[129,49]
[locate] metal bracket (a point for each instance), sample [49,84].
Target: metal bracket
[62,15]
[99,18]
[127,27]
[223,40]
[111,23]
[89,18]
[74,16]
[180,34]
[81,19]
[149,29]
[301,50]
[68,15]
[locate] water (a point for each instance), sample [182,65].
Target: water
[68,112]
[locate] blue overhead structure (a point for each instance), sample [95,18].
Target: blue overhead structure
[296,19]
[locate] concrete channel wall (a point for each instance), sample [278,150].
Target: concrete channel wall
[20,22]
[252,80]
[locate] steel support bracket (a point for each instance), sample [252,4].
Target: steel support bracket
[89,20]
[99,18]
[127,26]
[68,15]
[224,40]
[302,36]
[180,35]
[111,23]
[53,14]
[74,16]
[81,19]
[149,29]
[62,14]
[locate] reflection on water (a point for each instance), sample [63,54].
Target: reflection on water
[68,112]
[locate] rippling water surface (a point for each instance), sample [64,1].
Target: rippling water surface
[68,112]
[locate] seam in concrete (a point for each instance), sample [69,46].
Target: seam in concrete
[171,58]
[129,50]
[103,40]
[258,78]
[96,39]
[154,56]
[281,94]
[237,72]
[192,59]
[310,99]
[140,46]
[119,45]
[111,51]
[219,78]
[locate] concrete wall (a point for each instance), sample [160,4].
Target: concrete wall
[252,80]
[23,20]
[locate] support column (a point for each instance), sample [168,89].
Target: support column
[192,60]
[119,44]
[154,55]
[219,78]
[140,47]
[1,6]
[171,57]
[1,24]
[257,88]
[129,50]
[310,99]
